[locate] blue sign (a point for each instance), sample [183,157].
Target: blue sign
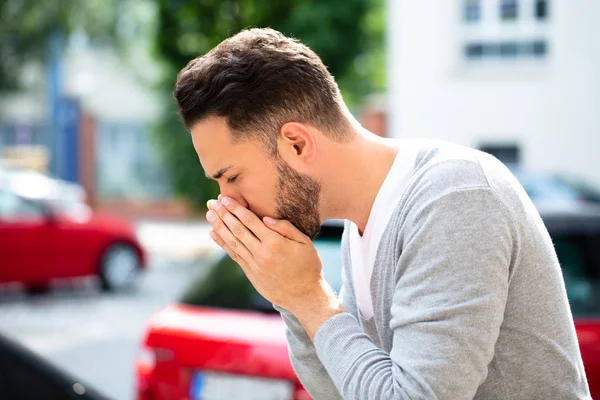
[67,162]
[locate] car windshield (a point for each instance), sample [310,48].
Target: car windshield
[584,190]
[547,187]
[579,257]
[224,284]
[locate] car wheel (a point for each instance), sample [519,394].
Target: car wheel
[119,268]
[37,289]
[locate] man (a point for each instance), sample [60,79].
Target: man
[451,287]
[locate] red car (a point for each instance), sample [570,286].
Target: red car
[224,341]
[41,240]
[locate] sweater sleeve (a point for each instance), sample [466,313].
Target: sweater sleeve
[308,367]
[311,372]
[447,307]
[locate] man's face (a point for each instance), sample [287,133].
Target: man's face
[265,185]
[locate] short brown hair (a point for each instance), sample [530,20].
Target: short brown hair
[258,80]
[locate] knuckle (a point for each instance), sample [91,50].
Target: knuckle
[238,230]
[248,221]
[233,244]
[264,256]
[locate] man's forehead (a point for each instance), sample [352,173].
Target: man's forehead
[211,132]
[215,167]
[212,142]
[219,161]
[216,149]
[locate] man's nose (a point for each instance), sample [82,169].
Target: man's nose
[230,192]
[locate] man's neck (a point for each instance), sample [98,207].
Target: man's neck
[359,173]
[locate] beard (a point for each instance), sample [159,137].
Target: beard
[298,199]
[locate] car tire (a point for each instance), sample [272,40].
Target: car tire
[37,289]
[119,267]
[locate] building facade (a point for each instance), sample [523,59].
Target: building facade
[521,78]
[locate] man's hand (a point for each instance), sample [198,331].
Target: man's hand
[279,260]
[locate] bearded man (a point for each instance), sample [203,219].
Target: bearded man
[451,285]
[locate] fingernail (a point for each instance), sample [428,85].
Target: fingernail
[225,201]
[270,220]
[213,205]
[210,216]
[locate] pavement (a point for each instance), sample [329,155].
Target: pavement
[176,241]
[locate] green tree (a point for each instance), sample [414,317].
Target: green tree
[27,26]
[347,35]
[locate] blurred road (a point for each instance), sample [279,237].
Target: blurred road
[93,335]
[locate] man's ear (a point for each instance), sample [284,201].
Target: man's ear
[297,140]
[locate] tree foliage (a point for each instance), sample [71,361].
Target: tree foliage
[346,34]
[26,27]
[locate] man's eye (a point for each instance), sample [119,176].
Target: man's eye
[232,179]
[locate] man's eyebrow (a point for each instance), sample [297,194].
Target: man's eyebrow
[219,173]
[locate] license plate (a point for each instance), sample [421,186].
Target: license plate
[219,386]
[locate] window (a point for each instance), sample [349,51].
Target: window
[579,257]
[13,207]
[472,11]
[539,48]
[226,286]
[541,10]
[509,154]
[474,50]
[506,50]
[509,10]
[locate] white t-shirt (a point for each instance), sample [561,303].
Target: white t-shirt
[363,249]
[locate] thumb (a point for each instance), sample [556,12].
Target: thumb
[284,228]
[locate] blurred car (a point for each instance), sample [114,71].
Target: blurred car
[26,375]
[34,184]
[585,191]
[222,340]
[46,234]
[553,188]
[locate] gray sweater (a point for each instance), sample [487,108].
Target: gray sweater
[468,298]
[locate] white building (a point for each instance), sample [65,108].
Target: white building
[122,103]
[521,74]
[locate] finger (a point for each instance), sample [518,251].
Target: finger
[286,229]
[230,240]
[232,254]
[236,227]
[218,240]
[247,217]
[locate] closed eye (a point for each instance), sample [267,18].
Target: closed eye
[232,179]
